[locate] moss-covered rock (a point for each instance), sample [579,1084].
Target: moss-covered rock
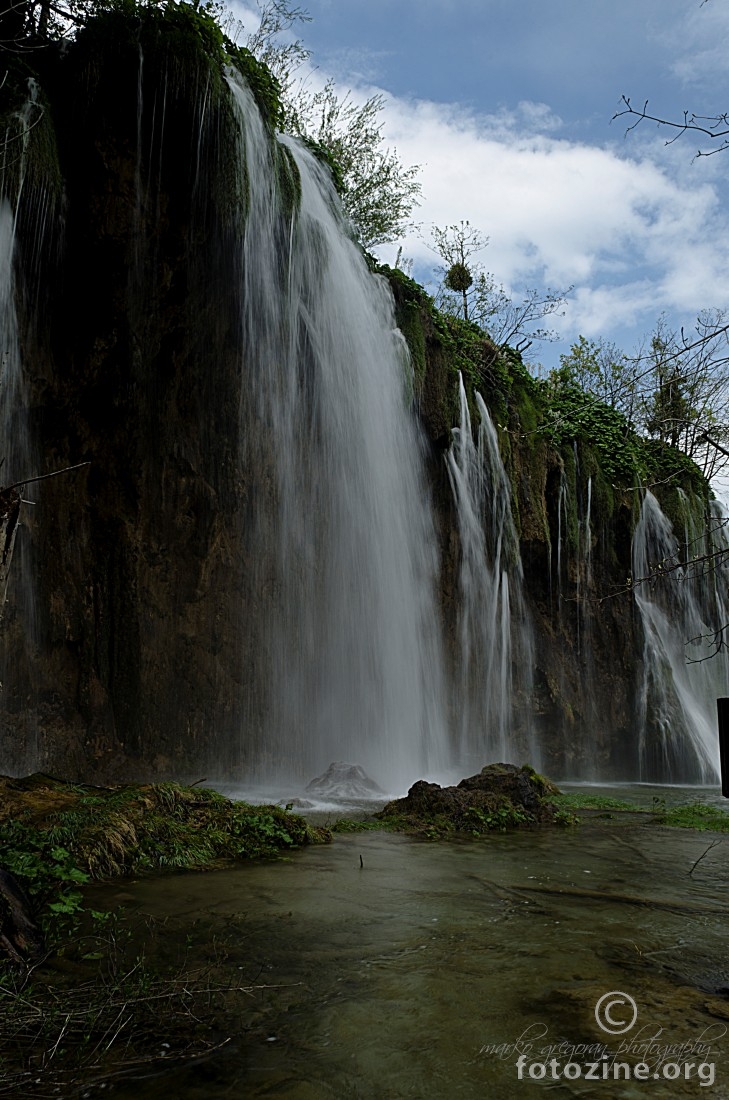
[500,796]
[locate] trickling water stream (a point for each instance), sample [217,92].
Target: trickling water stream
[18,448]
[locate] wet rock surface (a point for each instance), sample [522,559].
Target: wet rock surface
[498,796]
[342,780]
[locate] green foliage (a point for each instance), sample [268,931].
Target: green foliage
[458,278]
[571,414]
[263,84]
[139,829]
[378,191]
[478,821]
[49,872]
[694,816]
[600,369]
[663,463]
[325,155]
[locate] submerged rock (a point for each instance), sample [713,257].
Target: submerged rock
[500,795]
[344,781]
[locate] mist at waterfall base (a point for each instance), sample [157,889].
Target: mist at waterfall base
[346,654]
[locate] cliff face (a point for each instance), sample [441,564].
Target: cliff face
[136,617]
[131,352]
[576,507]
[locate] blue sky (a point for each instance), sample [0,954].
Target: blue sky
[507,108]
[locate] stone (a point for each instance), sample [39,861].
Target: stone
[342,780]
[499,795]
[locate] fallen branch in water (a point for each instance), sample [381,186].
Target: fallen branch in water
[698,861]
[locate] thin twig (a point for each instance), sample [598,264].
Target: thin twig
[44,477]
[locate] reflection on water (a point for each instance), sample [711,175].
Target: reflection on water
[394,975]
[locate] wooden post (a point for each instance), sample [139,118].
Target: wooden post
[723,709]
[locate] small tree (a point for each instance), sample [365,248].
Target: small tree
[456,244]
[468,289]
[599,367]
[379,192]
[686,390]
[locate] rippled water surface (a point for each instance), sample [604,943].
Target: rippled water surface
[395,966]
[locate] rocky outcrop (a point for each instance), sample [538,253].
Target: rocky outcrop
[499,796]
[348,781]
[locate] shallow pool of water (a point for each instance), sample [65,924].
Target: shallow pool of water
[400,968]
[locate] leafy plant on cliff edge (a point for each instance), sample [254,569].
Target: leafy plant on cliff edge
[378,191]
[572,414]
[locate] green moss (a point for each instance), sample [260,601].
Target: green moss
[694,816]
[288,179]
[411,306]
[327,158]
[263,84]
[580,801]
[30,153]
[364,825]
[60,836]
[662,462]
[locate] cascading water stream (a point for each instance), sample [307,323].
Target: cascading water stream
[18,458]
[15,444]
[682,673]
[494,636]
[346,660]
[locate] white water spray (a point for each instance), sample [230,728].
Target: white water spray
[342,538]
[494,635]
[681,608]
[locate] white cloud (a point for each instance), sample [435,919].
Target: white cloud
[634,225]
[698,38]
[633,237]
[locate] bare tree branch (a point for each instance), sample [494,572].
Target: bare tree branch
[715,127]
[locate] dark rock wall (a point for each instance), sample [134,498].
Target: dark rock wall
[587,634]
[134,366]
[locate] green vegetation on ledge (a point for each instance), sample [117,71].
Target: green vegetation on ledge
[55,837]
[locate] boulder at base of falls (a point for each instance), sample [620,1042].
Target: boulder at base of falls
[498,797]
[344,781]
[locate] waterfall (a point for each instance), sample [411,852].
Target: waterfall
[18,452]
[13,435]
[15,445]
[341,561]
[264,434]
[494,637]
[681,607]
